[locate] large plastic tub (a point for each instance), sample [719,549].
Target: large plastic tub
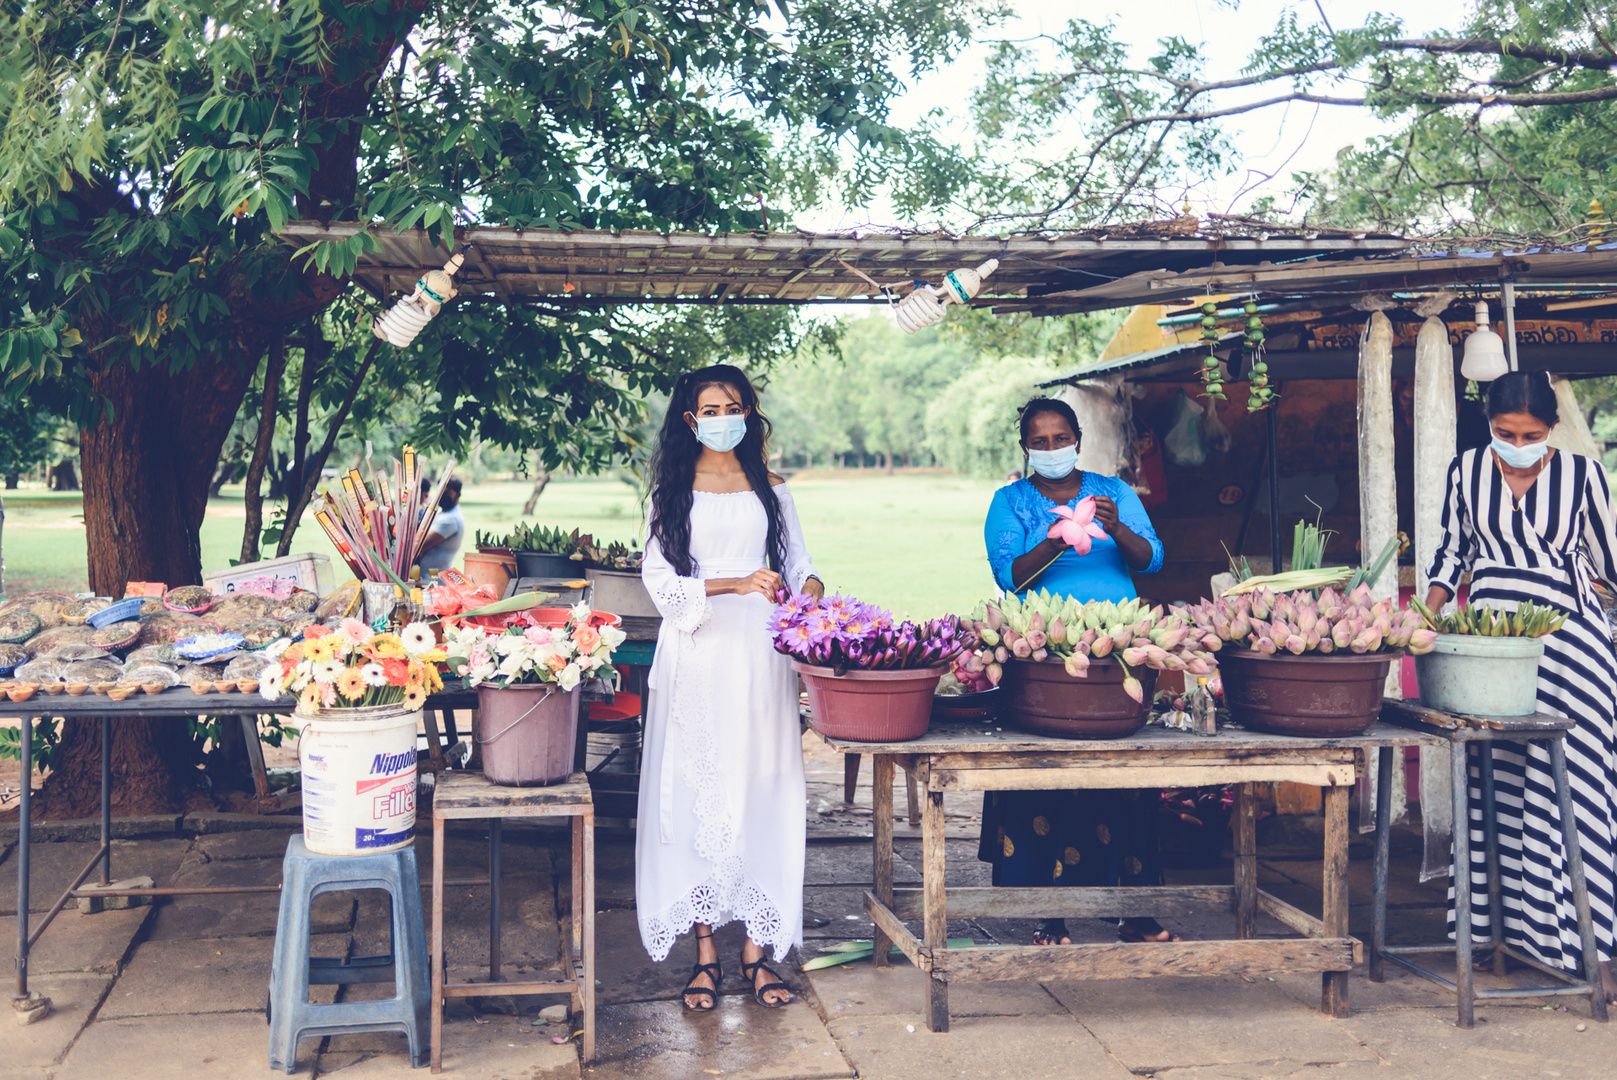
[1481,676]
[870,706]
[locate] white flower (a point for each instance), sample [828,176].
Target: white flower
[373,675]
[612,637]
[326,671]
[481,673]
[567,678]
[269,682]
[417,639]
[581,612]
[274,649]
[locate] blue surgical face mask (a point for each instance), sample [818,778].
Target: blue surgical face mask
[721,433]
[1520,457]
[1053,464]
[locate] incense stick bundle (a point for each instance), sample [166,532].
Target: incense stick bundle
[379,530]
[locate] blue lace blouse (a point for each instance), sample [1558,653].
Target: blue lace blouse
[1019,518]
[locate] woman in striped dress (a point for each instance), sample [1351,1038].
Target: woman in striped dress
[1532,523]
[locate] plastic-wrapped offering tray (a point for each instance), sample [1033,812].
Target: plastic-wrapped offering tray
[79,612]
[46,640]
[257,635]
[191,599]
[153,654]
[300,602]
[152,605]
[119,635]
[343,602]
[298,623]
[11,657]
[75,651]
[246,666]
[18,625]
[39,671]
[143,674]
[47,605]
[205,646]
[167,627]
[235,610]
[92,671]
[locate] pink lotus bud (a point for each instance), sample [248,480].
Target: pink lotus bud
[1221,627]
[1362,596]
[1212,642]
[1041,654]
[1174,638]
[1001,655]
[1037,639]
[996,618]
[1240,628]
[1198,666]
[1422,641]
[1077,666]
[1132,687]
[1088,636]
[1307,619]
[1102,647]
[1139,641]
[1326,645]
[1036,622]
[1384,606]
[1155,656]
[1010,637]
[1264,646]
[1122,639]
[1170,662]
[1133,656]
[1366,641]
[1296,645]
[994,673]
[1311,640]
[1058,631]
[1283,608]
[1022,650]
[1263,602]
[1081,648]
[975,664]
[1342,633]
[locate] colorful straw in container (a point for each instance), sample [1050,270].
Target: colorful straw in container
[379,533]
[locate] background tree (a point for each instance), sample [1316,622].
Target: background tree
[149,151]
[26,436]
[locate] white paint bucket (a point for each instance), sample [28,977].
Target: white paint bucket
[359,779]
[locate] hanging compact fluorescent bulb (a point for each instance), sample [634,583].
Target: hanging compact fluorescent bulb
[400,324]
[1484,351]
[926,304]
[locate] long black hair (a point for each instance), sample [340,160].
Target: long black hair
[1523,392]
[673,466]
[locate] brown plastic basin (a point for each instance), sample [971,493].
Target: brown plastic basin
[1044,700]
[1323,697]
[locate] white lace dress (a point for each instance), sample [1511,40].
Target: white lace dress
[721,827]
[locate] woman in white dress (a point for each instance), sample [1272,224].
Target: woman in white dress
[721,827]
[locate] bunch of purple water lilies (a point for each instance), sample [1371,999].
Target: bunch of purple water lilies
[841,632]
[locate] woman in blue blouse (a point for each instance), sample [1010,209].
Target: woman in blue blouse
[1070,838]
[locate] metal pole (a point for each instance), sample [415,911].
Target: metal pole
[24,827]
[106,800]
[1273,424]
[494,900]
[1508,295]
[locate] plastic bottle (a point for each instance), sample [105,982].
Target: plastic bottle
[1204,711]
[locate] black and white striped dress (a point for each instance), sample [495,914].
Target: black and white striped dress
[1543,549]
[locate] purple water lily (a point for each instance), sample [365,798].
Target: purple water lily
[842,631]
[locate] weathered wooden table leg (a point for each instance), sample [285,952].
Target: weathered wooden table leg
[587,874]
[1334,984]
[435,742]
[912,799]
[1246,861]
[1490,838]
[881,817]
[936,912]
[437,943]
[850,776]
[1459,777]
[1385,756]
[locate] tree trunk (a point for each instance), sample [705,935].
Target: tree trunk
[541,478]
[63,477]
[253,500]
[147,468]
[11,481]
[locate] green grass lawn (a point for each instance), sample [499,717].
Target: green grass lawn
[912,542]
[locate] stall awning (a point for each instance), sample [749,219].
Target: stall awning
[588,267]
[1173,359]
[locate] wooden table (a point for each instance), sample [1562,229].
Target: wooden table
[461,795]
[1469,736]
[176,701]
[972,756]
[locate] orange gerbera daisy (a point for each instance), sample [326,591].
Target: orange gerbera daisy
[414,697]
[351,684]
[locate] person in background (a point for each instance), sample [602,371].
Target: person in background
[448,530]
[1070,838]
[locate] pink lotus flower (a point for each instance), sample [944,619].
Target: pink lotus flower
[1077,525]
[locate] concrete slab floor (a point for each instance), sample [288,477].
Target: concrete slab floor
[1506,1044]
[206,975]
[501,1048]
[740,1039]
[52,867]
[223,1046]
[900,1047]
[861,989]
[1156,1024]
[46,1042]
[81,943]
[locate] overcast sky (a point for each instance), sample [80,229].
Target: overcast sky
[1279,140]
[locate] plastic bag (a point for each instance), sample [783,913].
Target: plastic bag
[1184,443]
[1213,429]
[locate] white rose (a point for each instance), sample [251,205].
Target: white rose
[581,612]
[612,637]
[567,678]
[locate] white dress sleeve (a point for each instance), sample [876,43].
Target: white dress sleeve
[798,568]
[682,601]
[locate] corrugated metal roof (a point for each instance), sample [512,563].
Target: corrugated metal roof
[598,266]
[1176,356]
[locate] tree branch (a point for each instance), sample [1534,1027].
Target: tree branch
[254,496]
[294,513]
[1584,58]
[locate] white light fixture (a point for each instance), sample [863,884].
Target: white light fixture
[400,324]
[926,304]
[1484,351]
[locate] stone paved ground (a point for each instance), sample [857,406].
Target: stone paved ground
[177,990]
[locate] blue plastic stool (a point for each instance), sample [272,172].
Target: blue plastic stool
[291,1015]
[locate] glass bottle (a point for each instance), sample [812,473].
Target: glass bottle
[1204,711]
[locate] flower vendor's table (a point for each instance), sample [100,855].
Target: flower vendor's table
[972,756]
[179,701]
[464,795]
[1467,737]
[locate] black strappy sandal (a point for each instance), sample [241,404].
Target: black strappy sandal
[714,971]
[750,973]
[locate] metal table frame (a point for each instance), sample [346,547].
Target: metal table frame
[1467,736]
[967,756]
[464,796]
[178,701]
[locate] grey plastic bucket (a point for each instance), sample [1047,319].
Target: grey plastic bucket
[1481,676]
[527,734]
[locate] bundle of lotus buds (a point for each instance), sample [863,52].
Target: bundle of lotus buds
[1043,627]
[1298,622]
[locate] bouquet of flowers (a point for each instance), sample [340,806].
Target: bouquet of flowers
[353,666]
[528,653]
[842,633]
